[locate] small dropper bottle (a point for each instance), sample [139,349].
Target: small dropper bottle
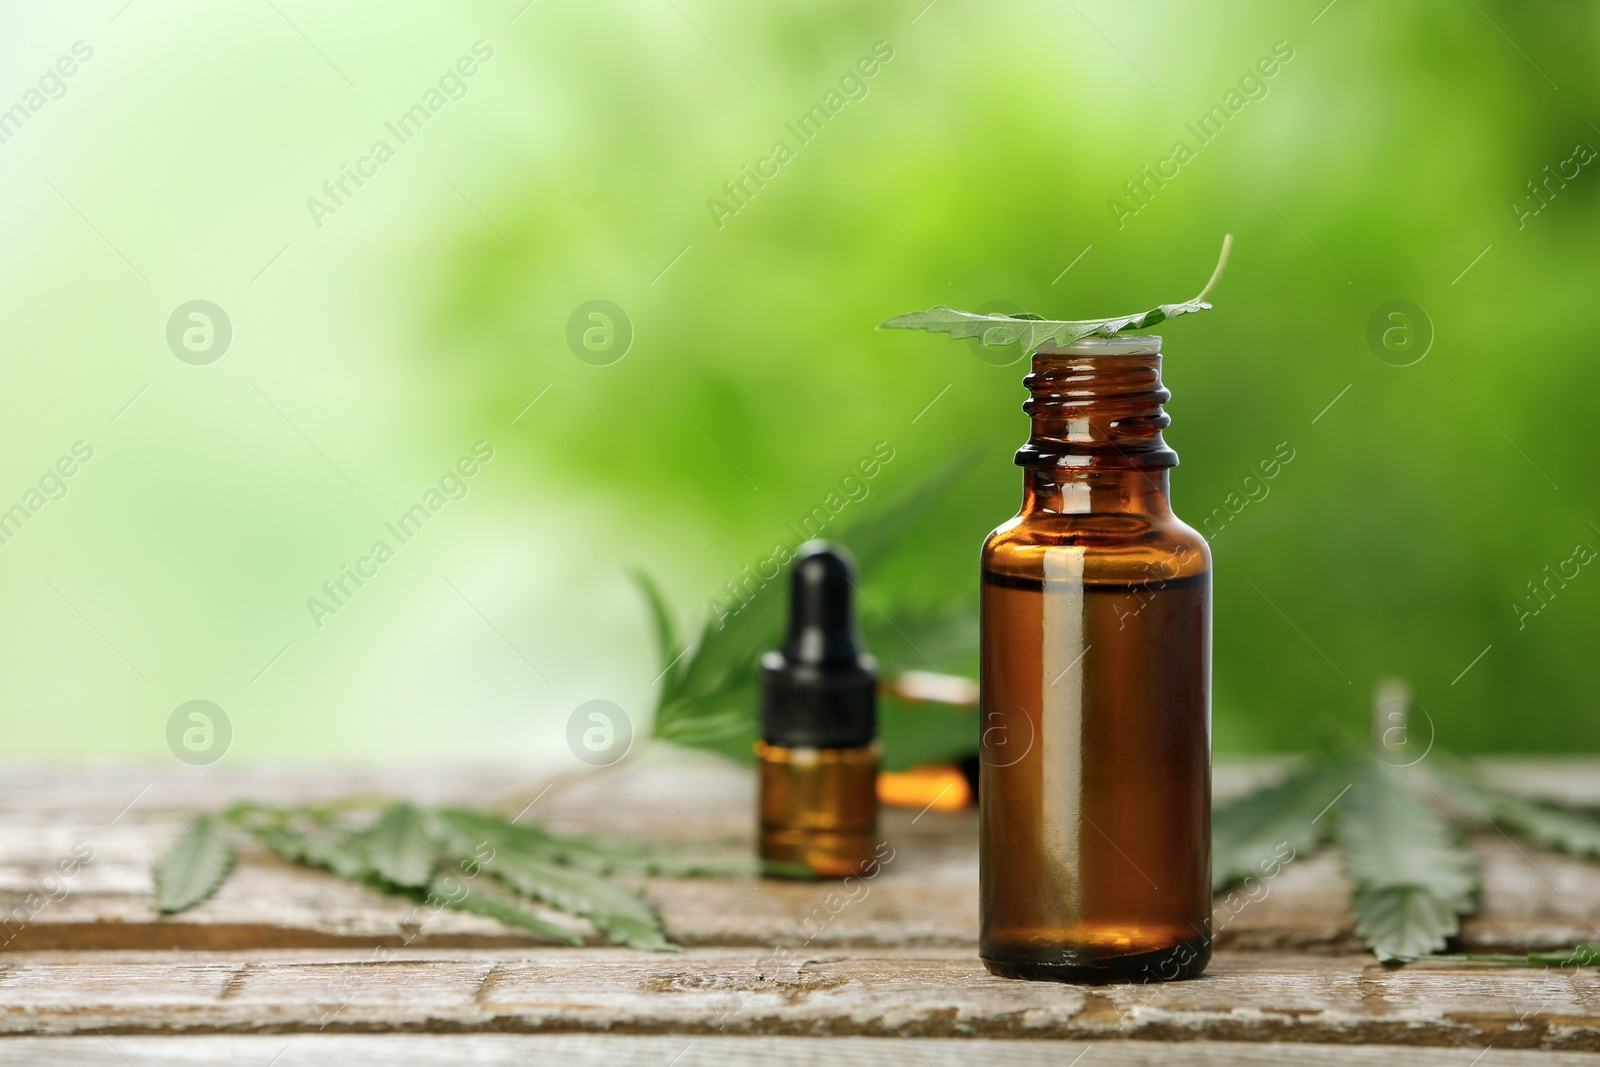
[818,752]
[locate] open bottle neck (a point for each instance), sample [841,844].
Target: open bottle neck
[1097,406]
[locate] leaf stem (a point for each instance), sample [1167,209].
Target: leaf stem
[1222,265]
[1032,331]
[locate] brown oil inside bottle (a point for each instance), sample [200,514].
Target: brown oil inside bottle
[1103,843]
[1095,783]
[819,807]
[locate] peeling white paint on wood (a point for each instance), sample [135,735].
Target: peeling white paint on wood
[576,1050]
[282,950]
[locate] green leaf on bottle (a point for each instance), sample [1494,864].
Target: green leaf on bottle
[1032,332]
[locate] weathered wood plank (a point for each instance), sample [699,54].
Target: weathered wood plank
[518,1050]
[284,950]
[927,894]
[1326,1000]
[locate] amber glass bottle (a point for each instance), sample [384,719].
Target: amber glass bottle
[818,753]
[1095,790]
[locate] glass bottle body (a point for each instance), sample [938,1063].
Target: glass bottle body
[819,807]
[1095,710]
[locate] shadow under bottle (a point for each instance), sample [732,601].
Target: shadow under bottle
[1095,791]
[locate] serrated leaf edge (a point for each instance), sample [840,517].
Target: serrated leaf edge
[1032,333]
[205,831]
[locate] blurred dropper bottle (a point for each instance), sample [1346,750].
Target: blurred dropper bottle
[818,752]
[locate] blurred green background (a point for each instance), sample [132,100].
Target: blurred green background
[1386,158]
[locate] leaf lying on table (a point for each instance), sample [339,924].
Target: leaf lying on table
[312,845]
[1583,954]
[523,860]
[501,909]
[399,848]
[1031,331]
[453,858]
[1413,877]
[1258,832]
[194,867]
[1403,922]
[1565,829]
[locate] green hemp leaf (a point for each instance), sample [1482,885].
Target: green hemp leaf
[194,867]
[1257,832]
[710,689]
[399,848]
[1032,332]
[1413,879]
[454,858]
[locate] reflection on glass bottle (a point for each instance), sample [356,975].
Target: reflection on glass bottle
[1096,678]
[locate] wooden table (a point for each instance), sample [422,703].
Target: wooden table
[288,966]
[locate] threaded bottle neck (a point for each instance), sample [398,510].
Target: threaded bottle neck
[1097,405]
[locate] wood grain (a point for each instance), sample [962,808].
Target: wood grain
[719,992]
[582,1050]
[285,950]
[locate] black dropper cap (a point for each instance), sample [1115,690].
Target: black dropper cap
[820,690]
